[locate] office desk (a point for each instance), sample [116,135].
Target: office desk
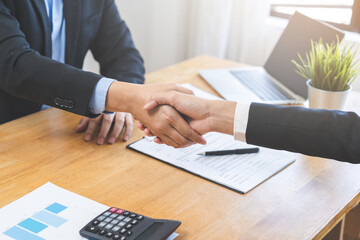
[304,201]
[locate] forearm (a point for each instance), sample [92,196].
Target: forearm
[322,133]
[120,97]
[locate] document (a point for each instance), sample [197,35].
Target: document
[240,173]
[49,212]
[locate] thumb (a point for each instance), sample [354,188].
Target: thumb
[83,124]
[157,100]
[151,105]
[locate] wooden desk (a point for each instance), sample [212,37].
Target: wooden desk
[304,201]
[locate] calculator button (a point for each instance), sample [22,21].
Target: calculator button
[114,215]
[102,232]
[107,214]
[117,237]
[127,219]
[109,235]
[119,211]
[101,218]
[126,213]
[92,229]
[128,233]
[129,226]
[102,224]
[115,222]
[109,226]
[113,209]
[123,238]
[108,220]
[96,222]
[116,228]
[123,231]
[120,218]
[121,224]
[133,215]
[140,217]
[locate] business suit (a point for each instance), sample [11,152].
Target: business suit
[29,78]
[328,134]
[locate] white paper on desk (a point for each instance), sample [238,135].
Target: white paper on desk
[79,212]
[238,172]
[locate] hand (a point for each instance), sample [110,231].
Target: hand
[163,121]
[110,126]
[203,115]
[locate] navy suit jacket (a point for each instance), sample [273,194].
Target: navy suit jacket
[322,133]
[29,78]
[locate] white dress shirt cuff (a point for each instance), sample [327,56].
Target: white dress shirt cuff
[98,99]
[241,120]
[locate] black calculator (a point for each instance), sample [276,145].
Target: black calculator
[119,224]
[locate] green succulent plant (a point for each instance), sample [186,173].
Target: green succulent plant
[329,66]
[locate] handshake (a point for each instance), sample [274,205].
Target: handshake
[171,112]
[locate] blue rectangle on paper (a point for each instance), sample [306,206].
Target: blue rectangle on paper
[56,208]
[49,218]
[21,234]
[32,225]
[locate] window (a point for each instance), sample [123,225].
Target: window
[344,14]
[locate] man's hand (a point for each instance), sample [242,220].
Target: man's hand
[107,126]
[164,121]
[203,115]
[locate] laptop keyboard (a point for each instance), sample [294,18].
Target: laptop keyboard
[261,85]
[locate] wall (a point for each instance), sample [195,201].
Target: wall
[159,29]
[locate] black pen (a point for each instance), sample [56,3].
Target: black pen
[229,152]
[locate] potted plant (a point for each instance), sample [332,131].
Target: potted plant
[330,70]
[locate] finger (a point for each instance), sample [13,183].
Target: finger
[153,103]
[105,127]
[83,124]
[140,126]
[181,89]
[158,140]
[118,126]
[160,99]
[169,141]
[128,127]
[184,129]
[92,127]
[170,136]
[179,139]
[148,132]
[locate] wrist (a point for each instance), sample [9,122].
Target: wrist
[121,97]
[222,114]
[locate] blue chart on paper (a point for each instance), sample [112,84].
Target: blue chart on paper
[30,227]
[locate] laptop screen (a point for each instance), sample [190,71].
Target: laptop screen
[295,39]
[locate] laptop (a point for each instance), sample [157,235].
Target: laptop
[276,82]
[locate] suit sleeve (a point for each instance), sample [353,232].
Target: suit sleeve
[114,48]
[25,73]
[322,133]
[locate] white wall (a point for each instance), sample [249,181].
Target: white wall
[159,31]
[158,28]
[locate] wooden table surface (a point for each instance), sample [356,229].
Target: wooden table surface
[304,201]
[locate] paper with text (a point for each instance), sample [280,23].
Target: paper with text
[238,172]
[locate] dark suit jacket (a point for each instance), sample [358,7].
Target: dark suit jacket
[29,78]
[322,133]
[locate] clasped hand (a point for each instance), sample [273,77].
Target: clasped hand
[195,110]
[163,121]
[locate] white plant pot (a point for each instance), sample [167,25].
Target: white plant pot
[323,99]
